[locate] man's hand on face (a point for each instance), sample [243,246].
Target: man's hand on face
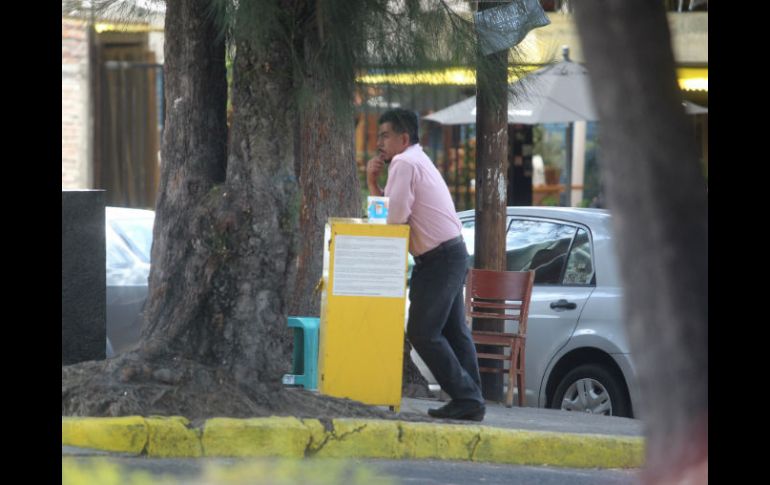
[374,167]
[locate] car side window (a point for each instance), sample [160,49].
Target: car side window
[468,232]
[541,246]
[580,268]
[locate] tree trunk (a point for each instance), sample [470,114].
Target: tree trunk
[660,209]
[223,247]
[491,169]
[327,175]
[491,156]
[215,340]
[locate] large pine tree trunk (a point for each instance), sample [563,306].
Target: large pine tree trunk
[215,340]
[193,157]
[223,248]
[658,199]
[327,176]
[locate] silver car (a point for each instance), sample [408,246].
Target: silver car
[577,357]
[128,238]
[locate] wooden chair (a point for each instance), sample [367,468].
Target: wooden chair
[501,295]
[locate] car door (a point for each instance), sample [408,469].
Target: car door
[559,253]
[556,251]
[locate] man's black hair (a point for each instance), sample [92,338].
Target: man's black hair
[402,121]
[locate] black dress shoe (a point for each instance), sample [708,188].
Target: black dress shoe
[470,410]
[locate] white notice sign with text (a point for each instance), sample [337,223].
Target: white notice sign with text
[369,266]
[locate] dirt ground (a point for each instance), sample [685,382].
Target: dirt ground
[127,386]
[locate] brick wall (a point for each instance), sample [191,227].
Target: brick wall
[74,110]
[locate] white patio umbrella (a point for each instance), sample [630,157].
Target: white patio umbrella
[559,93]
[462,113]
[524,111]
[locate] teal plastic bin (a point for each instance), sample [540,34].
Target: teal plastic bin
[305,354]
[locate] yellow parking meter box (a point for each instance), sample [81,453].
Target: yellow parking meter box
[363,306]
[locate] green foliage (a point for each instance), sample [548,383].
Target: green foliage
[550,200]
[119,10]
[334,39]
[551,148]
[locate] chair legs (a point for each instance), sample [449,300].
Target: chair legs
[520,376]
[515,360]
[516,378]
[509,395]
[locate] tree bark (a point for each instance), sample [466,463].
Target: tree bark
[327,173]
[223,241]
[491,170]
[491,156]
[660,212]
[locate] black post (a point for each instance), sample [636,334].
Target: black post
[83,276]
[520,165]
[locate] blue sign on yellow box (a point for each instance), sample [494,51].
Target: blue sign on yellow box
[378,209]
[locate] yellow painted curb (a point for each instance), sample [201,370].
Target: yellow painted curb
[171,437]
[559,449]
[126,434]
[317,435]
[443,441]
[351,438]
[360,438]
[273,436]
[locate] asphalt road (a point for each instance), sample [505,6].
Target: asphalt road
[92,467]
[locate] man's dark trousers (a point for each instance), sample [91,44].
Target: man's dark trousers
[436,326]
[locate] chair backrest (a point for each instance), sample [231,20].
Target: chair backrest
[501,295]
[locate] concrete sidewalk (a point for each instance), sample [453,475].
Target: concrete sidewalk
[537,419]
[524,436]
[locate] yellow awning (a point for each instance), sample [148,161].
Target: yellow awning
[689,78]
[454,76]
[693,78]
[100,27]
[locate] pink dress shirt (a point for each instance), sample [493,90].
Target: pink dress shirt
[420,197]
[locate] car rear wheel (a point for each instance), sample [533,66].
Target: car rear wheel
[591,388]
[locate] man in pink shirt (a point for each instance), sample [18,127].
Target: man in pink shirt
[436,327]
